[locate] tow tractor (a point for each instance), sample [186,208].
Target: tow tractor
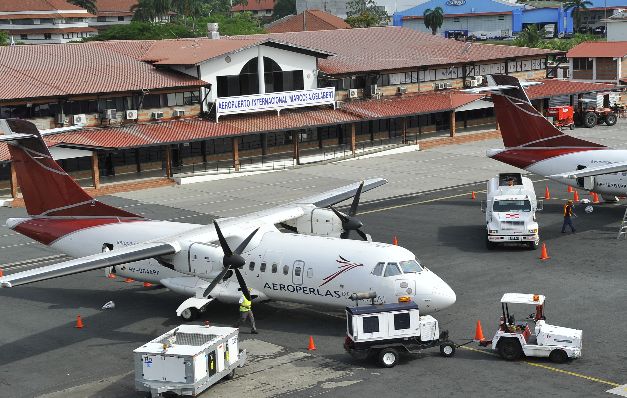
[513,339]
[384,331]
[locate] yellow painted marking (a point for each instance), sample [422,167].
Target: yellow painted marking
[539,365]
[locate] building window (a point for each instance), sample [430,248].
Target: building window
[23,37]
[501,18]
[582,64]
[47,36]
[120,19]
[456,19]
[101,19]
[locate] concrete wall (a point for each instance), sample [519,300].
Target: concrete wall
[617,31]
[489,25]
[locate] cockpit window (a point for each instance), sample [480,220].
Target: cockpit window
[378,269]
[392,270]
[511,205]
[410,267]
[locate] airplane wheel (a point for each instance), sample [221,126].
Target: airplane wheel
[190,314]
[388,357]
[447,349]
[610,119]
[558,356]
[509,349]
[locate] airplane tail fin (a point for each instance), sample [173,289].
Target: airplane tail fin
[520,123]
[47,189]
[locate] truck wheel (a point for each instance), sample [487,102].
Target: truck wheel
[610,119]
[590,119]
[388,357]
[231,375]
[190,314]
[509,349]
[447,349]
[534,245]
[572,126]
[489,245]
[558,356]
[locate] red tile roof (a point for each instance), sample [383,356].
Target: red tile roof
[52,15]
[594,49]
[393,48]
[254,5]
[73,69]
[36,5]
[193,51]
[115,7]
[308,20]
[553,87]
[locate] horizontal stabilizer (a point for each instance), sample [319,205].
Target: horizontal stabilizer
[127,254]
[594,171]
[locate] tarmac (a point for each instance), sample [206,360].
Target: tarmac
[427,204]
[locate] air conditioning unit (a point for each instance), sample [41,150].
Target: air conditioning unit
[402,89]
[471,83]
[179,112]
[79,120]
[60,118]
[449,85]
[352,93]
[157,115]
[110,114]
[479,80]
[439,86]
[131,114]
[373,90]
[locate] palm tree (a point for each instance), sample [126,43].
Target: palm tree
[89,5]
[434,19]
[530,36]
[576,6]
[151,10]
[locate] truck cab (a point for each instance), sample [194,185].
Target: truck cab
[510,211]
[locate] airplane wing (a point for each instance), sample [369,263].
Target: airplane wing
[338,195]
[140,251]
[593,171]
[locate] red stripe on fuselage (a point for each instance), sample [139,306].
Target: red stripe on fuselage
[524,158]
[47,230]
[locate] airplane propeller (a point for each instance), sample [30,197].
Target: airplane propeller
[231,260]
[349,221]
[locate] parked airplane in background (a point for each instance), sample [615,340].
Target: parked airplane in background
[313,265]
[534,144]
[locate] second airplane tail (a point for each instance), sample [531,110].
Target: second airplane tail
[46,188]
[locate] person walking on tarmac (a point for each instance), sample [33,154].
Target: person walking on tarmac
[568,213]
[246,313]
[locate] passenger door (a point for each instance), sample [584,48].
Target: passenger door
[297,272]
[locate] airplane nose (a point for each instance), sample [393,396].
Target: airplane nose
[444,296]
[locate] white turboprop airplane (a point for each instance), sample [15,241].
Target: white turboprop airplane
[312,265]
[534,144]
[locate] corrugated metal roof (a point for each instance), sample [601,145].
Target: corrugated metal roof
[115,6]
[254,5]
[308,20]
[554,87]
[36,5]
[193,51]
[595,49]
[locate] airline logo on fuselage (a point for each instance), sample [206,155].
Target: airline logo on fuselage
[344,266]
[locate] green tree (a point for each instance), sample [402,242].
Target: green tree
[365,13]
[89,5]
[433,19]
[151,10]
[576,6]
[283,8]
[531,36]
[4,38]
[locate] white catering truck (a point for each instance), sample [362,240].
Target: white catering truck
[510,211]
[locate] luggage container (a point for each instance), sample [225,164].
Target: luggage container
[187,360]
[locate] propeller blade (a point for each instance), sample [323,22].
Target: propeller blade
[243,245]
[289,227]
[353,210]
[362,234]
[341,216]
[214,282]
[242,284]
[225,246]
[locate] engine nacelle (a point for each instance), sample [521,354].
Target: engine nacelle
[320,222]
[205,260]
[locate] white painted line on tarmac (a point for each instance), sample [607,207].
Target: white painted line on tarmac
[621,391]
[18,245]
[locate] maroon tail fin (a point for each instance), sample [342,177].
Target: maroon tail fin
[521,124]
[47,189]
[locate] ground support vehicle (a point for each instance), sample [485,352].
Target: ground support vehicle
[588,115]
[510,211]
[187,360]
[563,116]
[513,339]
[386,331]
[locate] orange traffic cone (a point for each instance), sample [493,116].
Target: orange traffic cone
[147,284]
[576,197]
[79,322]
[547,194]
[595,197]
[474,195]
[395,241]
[111,275]
[129,280]
[570,189]
[312,346]
[544,255]
[479,332]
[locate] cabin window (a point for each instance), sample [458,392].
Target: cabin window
[286,269]
[392,270]
[297,271]
[309,272]
[251,266]
[378,269]
[371,324]
[401,321]
[262,267]
[274,268]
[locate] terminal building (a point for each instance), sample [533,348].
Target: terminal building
[139,109]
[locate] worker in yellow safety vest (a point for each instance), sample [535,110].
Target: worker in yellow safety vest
[568,213]
[246,314]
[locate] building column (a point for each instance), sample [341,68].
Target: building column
[353,138]
[296,151]
[203,151]
[452,123]
[95,170]
[13,181]
[168,161]
[572,100]
[579,104]
[264,143]
[138,164]
[371,128]
[404,130]
[619,68]
[261,71]
[465,119]
[320,140]
[594,69]
[236,163]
